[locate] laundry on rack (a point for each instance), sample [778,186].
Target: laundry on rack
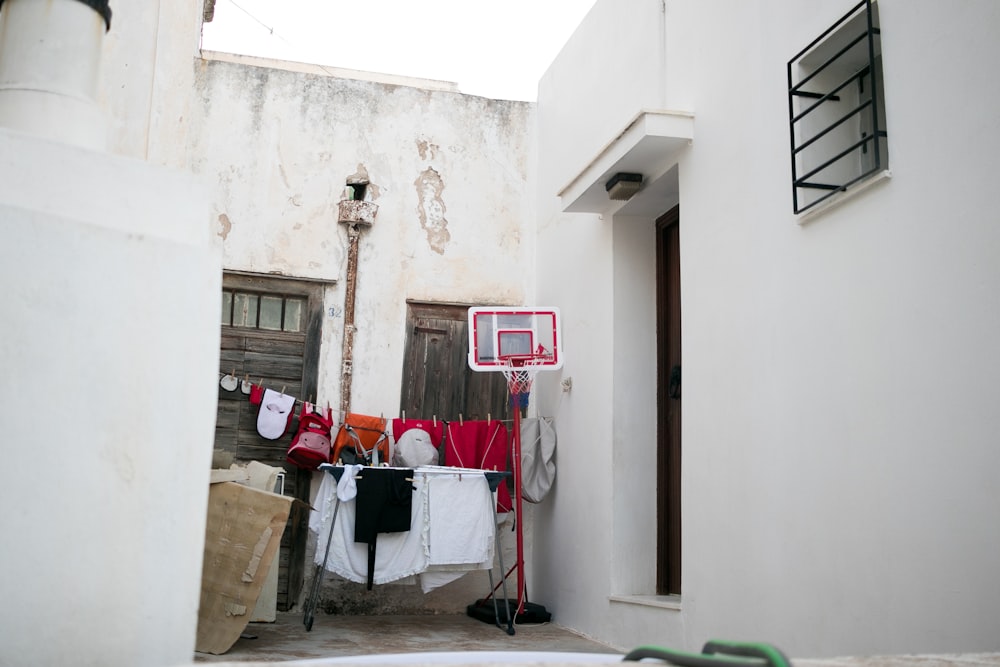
[451,529]
[399,555]
[538,452]
[347,487]
[384,505]
[480,444]
[461,519]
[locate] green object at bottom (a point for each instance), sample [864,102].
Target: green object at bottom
[716,653]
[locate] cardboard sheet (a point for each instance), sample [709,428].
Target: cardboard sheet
[242,537]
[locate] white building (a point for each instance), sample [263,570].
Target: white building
[834,490]
[836,485]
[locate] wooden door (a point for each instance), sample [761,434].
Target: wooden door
[271,331]
[668,334]
[437,380]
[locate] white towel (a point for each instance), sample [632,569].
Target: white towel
[319,518]
[461,519]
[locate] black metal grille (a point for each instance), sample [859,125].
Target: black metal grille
[836,119]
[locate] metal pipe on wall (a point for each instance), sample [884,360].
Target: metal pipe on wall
[350,290]
[355,213]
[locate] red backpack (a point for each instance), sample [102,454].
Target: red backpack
[311,444]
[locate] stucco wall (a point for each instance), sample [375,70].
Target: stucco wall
[449,173]
[109,344]
[837,433]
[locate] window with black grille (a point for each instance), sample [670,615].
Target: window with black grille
[836,109]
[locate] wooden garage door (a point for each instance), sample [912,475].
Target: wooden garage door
[271,330]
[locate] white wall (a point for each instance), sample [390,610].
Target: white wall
[110,347]
[148,75]
[838,375]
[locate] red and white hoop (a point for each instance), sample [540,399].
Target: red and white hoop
[520,372]
[518,342]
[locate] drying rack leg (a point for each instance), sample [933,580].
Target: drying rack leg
[309,614]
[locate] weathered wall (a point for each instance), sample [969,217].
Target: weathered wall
[838,375]
[449,173]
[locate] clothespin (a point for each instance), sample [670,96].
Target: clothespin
[404,416]
[435,421]
[488,419]
[460,422]
[282,390]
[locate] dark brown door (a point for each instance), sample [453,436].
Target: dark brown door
[271,331]
[668,335]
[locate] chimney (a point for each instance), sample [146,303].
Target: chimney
[50,58]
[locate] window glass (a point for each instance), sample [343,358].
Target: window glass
[227,307]
[293,315]
[245,310]
[270,313]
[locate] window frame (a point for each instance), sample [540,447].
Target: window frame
[871,149]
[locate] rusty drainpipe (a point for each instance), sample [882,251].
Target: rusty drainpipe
[353,212]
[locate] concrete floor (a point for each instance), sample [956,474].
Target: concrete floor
[460,640]
[339,636]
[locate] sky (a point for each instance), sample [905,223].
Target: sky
[493,48]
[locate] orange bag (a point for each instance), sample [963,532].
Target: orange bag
[358,437]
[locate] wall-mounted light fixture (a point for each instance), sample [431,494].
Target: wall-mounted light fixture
[623,185]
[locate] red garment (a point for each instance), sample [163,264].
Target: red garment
[435,430]
[480,444]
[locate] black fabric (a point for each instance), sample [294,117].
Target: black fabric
[384,505]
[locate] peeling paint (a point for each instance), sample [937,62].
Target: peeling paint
[431,209]
[426,149]
[225,226]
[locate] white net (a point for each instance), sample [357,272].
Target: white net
[520,373]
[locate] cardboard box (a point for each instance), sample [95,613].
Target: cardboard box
[242,537]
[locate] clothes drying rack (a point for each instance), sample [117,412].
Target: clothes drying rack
[493,479]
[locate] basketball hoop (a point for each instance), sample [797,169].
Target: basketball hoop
[520,371]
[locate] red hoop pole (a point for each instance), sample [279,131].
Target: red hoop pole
[516,462]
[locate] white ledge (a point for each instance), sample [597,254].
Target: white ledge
[672,602]
[841,197]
